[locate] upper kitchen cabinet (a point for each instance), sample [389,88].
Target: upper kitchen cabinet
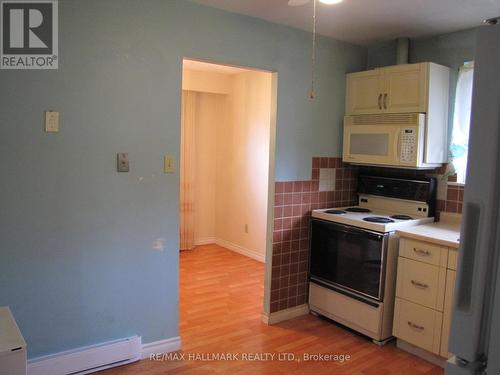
[364,93]
[406,88]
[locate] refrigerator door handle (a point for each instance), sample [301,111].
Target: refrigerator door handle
[468,264]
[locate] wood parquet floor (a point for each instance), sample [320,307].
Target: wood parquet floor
[221,295]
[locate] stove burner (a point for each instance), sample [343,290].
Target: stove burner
[335,212]
[401,217]
[357,209]
[378,219]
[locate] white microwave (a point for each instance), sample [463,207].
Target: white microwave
[403,140]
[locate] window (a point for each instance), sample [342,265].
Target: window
[461,121]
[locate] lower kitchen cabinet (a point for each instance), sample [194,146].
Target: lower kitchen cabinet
[424,295]
[418,325]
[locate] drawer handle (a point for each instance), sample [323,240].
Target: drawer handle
[421,252]
[418,284]
[416,326]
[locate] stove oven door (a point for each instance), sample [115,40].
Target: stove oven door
[348,259]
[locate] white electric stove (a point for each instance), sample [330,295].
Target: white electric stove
[379,214]
[354,252]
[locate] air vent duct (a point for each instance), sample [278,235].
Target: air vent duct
[402,48]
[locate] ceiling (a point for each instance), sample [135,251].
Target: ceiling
[369,21]
[208,67]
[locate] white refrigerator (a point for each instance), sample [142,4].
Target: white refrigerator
[475,327]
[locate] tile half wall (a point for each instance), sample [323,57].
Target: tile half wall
[332,184]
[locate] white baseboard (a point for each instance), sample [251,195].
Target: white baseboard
[172,344]
[287,314]
[204,241]
[99,357]
[241,250]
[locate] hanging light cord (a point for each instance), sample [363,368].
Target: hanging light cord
[313,56]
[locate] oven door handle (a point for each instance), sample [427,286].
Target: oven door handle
[353,230]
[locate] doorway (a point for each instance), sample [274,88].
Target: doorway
[228,127]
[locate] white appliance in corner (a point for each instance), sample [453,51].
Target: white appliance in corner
[475,327]
[354,252]
[12,345]
[403,140]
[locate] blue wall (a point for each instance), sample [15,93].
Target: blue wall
[76,260]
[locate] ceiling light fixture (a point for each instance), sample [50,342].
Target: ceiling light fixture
[330,2]
[298,3]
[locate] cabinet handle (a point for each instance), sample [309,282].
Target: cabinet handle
[418,284]
[380,101]
[385,101]
[421,252]
[416,326]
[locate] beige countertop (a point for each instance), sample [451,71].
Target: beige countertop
[445,232]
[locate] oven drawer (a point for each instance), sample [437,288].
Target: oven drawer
[423,252]
[418,325]
[421,283]
[346,310]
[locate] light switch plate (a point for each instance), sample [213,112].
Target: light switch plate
[122,162]
[169,164]
[51,121]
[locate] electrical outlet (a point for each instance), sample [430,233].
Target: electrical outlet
[169,164]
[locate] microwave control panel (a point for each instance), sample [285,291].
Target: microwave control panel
[408,145]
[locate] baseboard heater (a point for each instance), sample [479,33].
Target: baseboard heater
[89,359]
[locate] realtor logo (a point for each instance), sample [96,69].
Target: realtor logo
[29,34]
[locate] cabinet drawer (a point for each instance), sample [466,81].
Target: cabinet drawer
[452,259]
[424,252]
[421,283]
[418,325]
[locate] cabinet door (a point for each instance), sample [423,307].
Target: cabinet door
[417,325]
[364,92]
[405,88]
[421,283]
[448,300]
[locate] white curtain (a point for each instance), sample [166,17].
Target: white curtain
[461,120]
[187,170]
